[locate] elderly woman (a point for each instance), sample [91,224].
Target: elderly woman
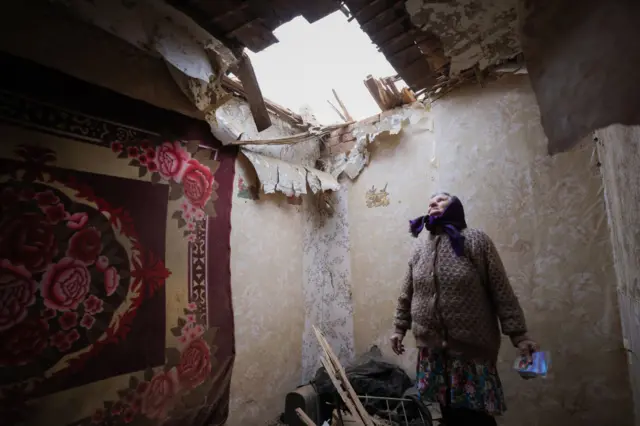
[454,293]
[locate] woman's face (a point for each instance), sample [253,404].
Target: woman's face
[437,204]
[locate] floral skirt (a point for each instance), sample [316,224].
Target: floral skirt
[471,384]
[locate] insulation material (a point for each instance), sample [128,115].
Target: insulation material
[583,64]
[365,132]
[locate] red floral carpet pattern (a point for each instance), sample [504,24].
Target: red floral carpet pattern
[74,269]
[83,269]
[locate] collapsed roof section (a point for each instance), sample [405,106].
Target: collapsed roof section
[437,46]
[202,42]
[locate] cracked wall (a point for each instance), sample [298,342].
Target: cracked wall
[472,31]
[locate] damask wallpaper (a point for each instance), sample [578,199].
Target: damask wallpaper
[547,218]
[327,283]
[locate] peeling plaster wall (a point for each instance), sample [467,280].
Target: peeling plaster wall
[547,218]
[619,148]
[471,31]
[290,271]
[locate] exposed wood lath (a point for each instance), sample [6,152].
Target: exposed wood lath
[389,26]
[250,23]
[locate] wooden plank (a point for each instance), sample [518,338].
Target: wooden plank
[284,113]
[336,383]
[383,45]
[395,55]
[399,20]
[247,76]
[371,85]
[337,111]
[234,32]
[305,419]
[381,16]
[342,375]
[344,108]
[239,8]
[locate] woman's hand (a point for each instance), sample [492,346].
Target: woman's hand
[526,348]
[396,343]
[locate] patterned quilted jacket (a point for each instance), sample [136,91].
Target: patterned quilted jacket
[457,301]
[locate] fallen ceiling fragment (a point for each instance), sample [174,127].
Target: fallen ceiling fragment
[583,63]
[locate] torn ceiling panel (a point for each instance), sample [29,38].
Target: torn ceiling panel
[367,131]
[305,153]
[583,63]
[437,46]
[289,178]
[290,168]
[482,32]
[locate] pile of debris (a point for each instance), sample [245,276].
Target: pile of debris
[369,393]
[386,94]
[338,377]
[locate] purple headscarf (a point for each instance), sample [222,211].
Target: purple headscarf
[451,221]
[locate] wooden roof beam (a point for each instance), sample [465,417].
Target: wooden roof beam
[247,76]
[379,17]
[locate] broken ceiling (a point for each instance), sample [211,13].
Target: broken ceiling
[471,31]
[436,46]
[202,42]
[250,23]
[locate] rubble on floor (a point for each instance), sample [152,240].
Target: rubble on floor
[371,392]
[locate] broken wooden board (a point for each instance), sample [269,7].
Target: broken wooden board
[247,76]
[335,369]
[305,419]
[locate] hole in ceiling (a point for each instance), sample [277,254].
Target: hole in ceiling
[312,59]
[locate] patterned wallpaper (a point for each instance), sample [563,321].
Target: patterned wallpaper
[618,147]
[327,283]
[547,217]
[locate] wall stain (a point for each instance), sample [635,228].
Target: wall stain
[294,201]
[377,198]
[247,191]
